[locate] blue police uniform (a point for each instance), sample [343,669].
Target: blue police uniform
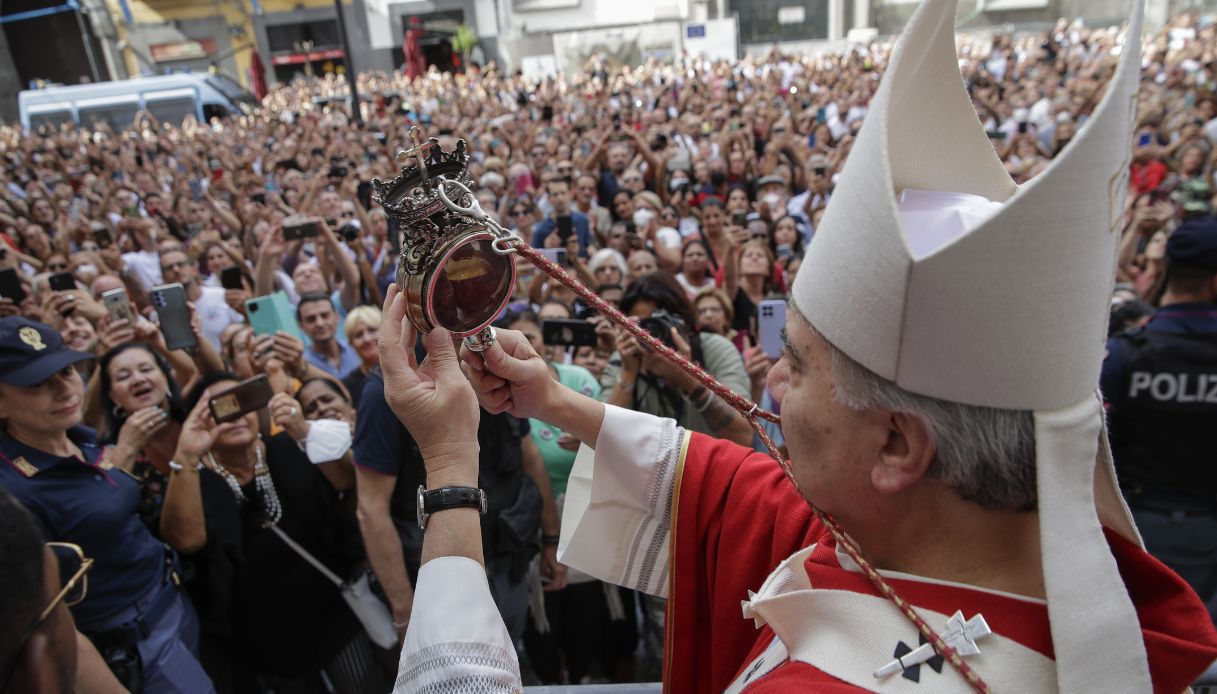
[132,604]
[1160,384]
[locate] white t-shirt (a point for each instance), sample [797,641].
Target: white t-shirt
[669,237]
[215,314]
[145,266]
[691,289]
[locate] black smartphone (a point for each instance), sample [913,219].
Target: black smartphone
[547,113]
[230,278]
[821,171]
[61,282]
[739,219]
[259,198]
[631,228]
[581,310]
[568,333]
[174,316]
[10,285]
[298,228]
[246,396]
[1022,127]
[566,227]
[101,235]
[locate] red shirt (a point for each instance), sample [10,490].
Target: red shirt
[1147,177]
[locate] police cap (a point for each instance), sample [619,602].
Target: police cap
[1194,243]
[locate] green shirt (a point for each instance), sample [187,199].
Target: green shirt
[558,460]
[719,357]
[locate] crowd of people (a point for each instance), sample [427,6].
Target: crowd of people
[684,193]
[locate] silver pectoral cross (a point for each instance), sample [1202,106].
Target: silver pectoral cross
[960,635]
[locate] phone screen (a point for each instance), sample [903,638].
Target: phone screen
[565,227]
[61,282]
[230,278]
[10,285]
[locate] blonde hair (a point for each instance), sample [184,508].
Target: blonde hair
[721,297]
[361,315]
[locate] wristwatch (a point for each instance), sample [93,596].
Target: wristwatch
[434,500]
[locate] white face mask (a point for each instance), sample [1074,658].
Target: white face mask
[643,216]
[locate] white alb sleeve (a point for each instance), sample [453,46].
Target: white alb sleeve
[616,521]
[456,642]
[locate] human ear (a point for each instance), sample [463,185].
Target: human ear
[906,455]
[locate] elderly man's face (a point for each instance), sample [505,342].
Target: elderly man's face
[832,448]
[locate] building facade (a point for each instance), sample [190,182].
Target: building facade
[48,40]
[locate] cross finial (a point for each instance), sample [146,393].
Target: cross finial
[420,151]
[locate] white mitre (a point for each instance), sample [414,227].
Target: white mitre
[934,270]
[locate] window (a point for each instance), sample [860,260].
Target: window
[172,110]
[767,21]
[214,111]
[51,118]
[288,37]
[226,86]
[119,116]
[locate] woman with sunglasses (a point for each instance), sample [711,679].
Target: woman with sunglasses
[145,629]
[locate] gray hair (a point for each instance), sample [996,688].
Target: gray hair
[604,256]
[985,454]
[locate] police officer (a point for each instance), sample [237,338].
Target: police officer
[1160,382]
[132,611]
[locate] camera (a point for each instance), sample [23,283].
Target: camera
[660,324]
[338,171]
[349,231]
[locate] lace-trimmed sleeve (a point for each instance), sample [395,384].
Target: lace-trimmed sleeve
[456,642]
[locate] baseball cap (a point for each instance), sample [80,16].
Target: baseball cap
[1194,196]
[1194,243]
[31,352]
[770,179]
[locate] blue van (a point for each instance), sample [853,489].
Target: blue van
[169,98]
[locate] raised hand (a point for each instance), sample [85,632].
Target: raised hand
[433,400]
[510,377]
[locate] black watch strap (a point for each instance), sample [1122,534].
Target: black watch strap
[434,500]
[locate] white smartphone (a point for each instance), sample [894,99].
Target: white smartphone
[770,319]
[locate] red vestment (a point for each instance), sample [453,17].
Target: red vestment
[735,517]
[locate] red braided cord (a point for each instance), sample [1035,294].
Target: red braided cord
[555,271]
[752,412]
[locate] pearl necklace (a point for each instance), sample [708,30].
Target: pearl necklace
[262,481]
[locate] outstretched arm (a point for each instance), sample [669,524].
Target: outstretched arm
[511,377]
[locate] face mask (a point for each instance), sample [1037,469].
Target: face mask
[643,216]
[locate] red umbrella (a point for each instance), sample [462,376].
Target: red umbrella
[416,64]
[257,76]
